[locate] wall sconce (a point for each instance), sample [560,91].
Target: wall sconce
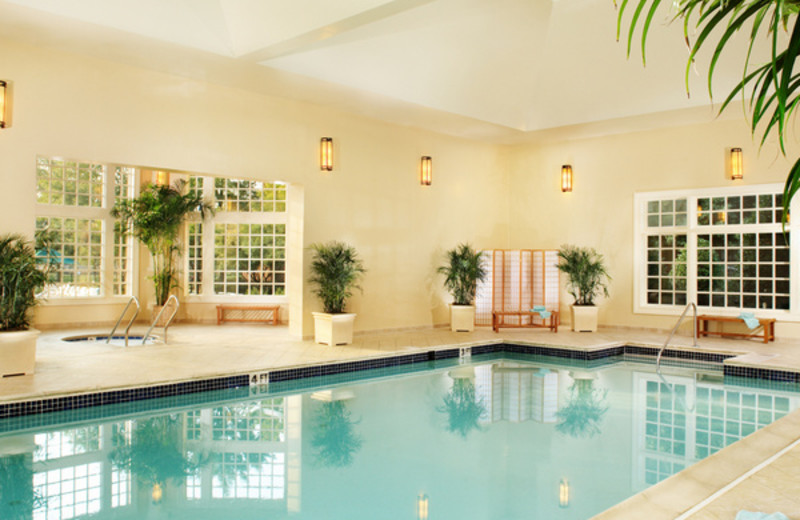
[737,171]
[161,178]
[326,154]
[3,103]
[422,507]
[563,493]
[426,171]
[566,178]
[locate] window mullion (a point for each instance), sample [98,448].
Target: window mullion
[691,251]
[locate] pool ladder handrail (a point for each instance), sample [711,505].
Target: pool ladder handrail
[135,300]
[172,298]
[675,329]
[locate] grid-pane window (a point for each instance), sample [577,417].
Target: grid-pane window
[249,475]
[123,258]
[250,421]
[75,232]
[124,177]
[250,259]
[75,246]
[725,249]
[196,185]
[194,255]
[69,183]
[69,492]
[743,270]
[666,269]
[667,213]
[732,210]
[240,251]
[249,196]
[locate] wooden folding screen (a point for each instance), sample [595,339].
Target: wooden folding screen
[518,280]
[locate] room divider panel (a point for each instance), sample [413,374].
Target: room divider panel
[518,280]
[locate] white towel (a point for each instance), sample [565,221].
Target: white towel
[748,515]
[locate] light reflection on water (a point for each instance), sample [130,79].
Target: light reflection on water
[501,439]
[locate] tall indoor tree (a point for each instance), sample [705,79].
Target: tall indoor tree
[155,218]
[773,87]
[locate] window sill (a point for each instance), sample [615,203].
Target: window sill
[780,315]
[100,300]
[283,299]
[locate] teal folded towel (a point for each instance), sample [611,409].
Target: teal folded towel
[749,319]
[542,310]
[748,515]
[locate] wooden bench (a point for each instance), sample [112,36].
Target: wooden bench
[702,327]
[263,313]
[498,320]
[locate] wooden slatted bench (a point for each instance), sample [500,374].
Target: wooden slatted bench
[498,320]
[265,313]
[702,327]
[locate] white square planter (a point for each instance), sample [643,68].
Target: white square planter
[584,318]
[333,329]
[462,318]
[18,352]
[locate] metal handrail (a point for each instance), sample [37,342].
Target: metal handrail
[172,298]
[135,300]
[675,329]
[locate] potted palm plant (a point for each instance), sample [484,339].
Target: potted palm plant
[462,273]
[21,276]
[155,218]
[335,272]
[586,278]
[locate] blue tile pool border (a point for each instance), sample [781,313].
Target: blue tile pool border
[87,400]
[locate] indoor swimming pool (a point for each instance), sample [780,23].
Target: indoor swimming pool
[495,437]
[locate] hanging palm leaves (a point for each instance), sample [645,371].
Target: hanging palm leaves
[773,87]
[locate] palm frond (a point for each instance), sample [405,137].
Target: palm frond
[22,275]
[155,219]
[462,272]
[335,271]
[586,273]
[773,86]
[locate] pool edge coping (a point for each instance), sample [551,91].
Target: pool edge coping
[76,399]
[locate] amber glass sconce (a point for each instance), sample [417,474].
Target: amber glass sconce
[566,178]
[3,103]
[426,171]
[737,170]
[326,154]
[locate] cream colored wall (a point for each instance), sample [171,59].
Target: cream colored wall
[607,172]
[493,196]
[77,107]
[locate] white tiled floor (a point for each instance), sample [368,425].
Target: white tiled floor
[202,351]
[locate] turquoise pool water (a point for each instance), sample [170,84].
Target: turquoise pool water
[492,439]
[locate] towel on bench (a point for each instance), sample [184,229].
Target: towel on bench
[542,310]
[750,320]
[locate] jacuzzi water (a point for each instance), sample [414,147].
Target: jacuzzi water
[494,439]
[116,340]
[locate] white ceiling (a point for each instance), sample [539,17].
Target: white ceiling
[504,70]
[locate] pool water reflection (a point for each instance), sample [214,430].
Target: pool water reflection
[494,439]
